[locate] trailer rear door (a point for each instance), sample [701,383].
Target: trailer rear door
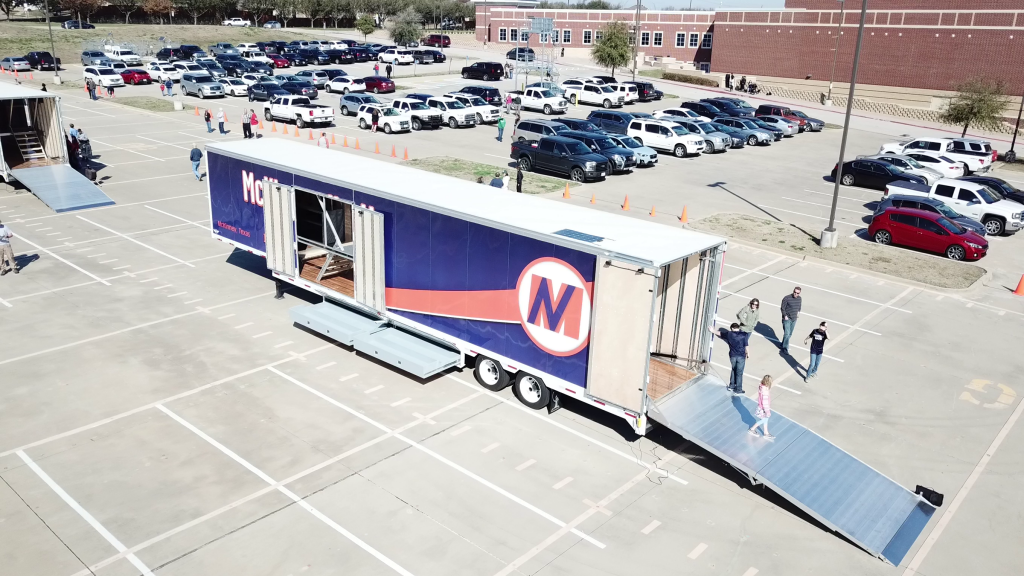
[368,228]
[279,227]
[620,334]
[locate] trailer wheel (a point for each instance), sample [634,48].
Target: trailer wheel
[531,391]
[490,374]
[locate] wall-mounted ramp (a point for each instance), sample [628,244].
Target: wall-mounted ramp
[821,479]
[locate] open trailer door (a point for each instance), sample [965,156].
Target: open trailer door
[620,334]
[279,228]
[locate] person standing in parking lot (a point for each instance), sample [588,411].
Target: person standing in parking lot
[738,354]
[501,127]
[7,261]
[376,69]
[791,305]
[374,118]
[246,126]
[162,89]
[196,156]
[208,117]
[519,179]
[388,70]
[748,317]
[322,141]
[90,86]
[169,84]
[220,121]
[817,338]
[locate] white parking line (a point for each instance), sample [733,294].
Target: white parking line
[111,183]
[750,571]
[650,527]
[89,274]
[562,483]
[130,239]
[294,497]
[110,538]
[126,150]
[460,430]
[525,465]
[802,285]
[400,402]
[491,447]
[829,206]
[328,365]
[372,390]
[349,377]
[765,265]
[697,551]
[194,223]
[262,334]
[161,142]
[176,294]
[283,344]
[810,216]
[439,458]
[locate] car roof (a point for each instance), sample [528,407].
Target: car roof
[914,212]
[543,122]
[922,199]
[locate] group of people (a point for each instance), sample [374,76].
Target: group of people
[166,87]
[387,70]
[501,180]
[91,87]
[249,118]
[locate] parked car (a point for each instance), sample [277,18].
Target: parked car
[261,67]
[15,64]
[665,135]
[596,94]
[944,165]
[611,121]
[628,92]
[788,127]
[136,76]
[929,205]
[338,56]
[102,76]
[645,155]
[910,166]
[781,112]
[241,22]
[455,113]
[620,159]
[536,129]
[779,133]
[317,78]
[333,73]
[490,95]
[485,113]
[927,231]
[315,56]
[424,56]
[186,67]
[265,91]
[351,102]
[251,78]
[201,84]
[1001,186]
[813,124]
[974,147]
[271,24]
[162,71]
[561,155]
[223,48]
[682,113]
[755,134]
[1000,216]
[95,58]
[300,89]
[521,54]
[437,41]
[736,136]
[76,25]
[360,54]
[646,91]
[396,56]
[485,71]
[705,109]
[873,174]
[278,61]
[379,84]
[346,84]
[422,116]
[42,61]
[295,59]
[727,107]
[192,51]
[119,67]
[298,109]
[390,120]
[234,86]
[972,160]
[714,140]
[213,68]
[257,56]
[547,85]
[579,124]
[170,55]
[540,99]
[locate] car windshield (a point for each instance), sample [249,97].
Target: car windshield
[741,105]
[951,226]
[577,147]
[168,68]
[455,105]
[760,124]
[798,114]
[476,101]
[107,72]
[680,131]
[989,195]
[627,142]
[546,94]
[418,106]
[944,159]
[605,143]
[946,211]
[912,163]
[391,112]
[723,127]
[607,89]
[706,126]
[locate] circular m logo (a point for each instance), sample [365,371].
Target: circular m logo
[554,306]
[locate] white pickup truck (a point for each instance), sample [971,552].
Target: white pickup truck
[119,54]
[298,109]
[539,99]
[952,148]
[236,22]
[598,95]
[485,113]
[998,215]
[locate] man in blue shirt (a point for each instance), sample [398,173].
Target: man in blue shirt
[196,156]
[738,354]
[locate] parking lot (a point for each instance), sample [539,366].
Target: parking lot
[160,414]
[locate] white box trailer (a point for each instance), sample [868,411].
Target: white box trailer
[428,273]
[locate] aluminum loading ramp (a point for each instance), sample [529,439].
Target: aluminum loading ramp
[835,488]
[61,187]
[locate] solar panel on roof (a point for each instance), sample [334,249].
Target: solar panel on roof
[579,236]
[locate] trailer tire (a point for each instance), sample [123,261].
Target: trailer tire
[490,374]
[531,391]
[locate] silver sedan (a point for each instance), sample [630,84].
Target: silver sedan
[752,135]
[788,127]
[15,64]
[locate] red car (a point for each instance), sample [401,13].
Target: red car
[278,60]
[136,76]
[927,231]
[437,41]
[379,84]
[772,110]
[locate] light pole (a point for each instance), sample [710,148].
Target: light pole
[1011,155]
[636,36]
[829,238]
[53,49]
[835,56]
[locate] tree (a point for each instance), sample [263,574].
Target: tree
[337,9]
[126,7]
[80,7]
[6,6]
[158,8]
[978,101]
[259,9]
[195,8]
[366,25]
[613,49]
[313,9]
[405,27]
[382,9]
[285,10]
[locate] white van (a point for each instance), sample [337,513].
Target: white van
[119,54]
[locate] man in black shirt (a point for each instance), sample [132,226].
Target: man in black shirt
[738,354]
[817,339]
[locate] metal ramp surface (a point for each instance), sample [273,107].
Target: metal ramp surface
[835,488]
[374,337]
[61,187]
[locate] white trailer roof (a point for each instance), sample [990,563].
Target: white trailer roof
[13,91]
[633,238]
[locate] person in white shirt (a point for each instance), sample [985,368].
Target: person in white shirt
[220,120]
[504,181]
[322,141]
[7,262]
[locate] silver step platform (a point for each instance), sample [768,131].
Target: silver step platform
[61,187]
[375,337]
[827,483]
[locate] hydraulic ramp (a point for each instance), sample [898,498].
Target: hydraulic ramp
[375,337]
[61,187]
[835,488]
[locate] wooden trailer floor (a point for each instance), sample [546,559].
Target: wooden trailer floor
[665,377]
[340,282]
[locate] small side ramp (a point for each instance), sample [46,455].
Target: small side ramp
[61,187]
[835,488]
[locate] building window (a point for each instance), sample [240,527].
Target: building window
[707,40]
[514,35]
[502,35]
[680,39]
[645,38]
[598,35]
[657,38]
[588,37]
[555,35]
[566,36]
[694,39]
[544,37]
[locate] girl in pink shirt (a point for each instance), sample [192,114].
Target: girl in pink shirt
[764,407]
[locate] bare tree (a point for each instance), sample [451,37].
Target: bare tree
[126,7]
[260,9]
[313,9]
[158,8]
[80,7]
[195,8]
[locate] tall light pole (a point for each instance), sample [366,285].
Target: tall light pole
[835,55]
[53,49]
[1011,155]
[636,36]
[829,237]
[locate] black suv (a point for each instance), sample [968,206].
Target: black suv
[190,49]
[729,108]
[171,54]
[646,91]
[485,71]
[234,67]
[314,56]
[361,54]
[521,54]
[294,59]
[268,47]
[41,60]
[704,109]
[579,125]
[340,56]
[428,56]
[619,159]
[490,95]
[265,91]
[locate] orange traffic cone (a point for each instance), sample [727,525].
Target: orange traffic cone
[310,133]
[1020,287]
[273,126]
[297,134]
[357,144]
[625,205]
[15,73]
[376,148]
[566,193]
[652,211]
[344,141]
[393,155]
[593,199]
[197,110]
[406,154]
[684,218]
[284,129]
[332,139]
[261,124]
[30,76]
